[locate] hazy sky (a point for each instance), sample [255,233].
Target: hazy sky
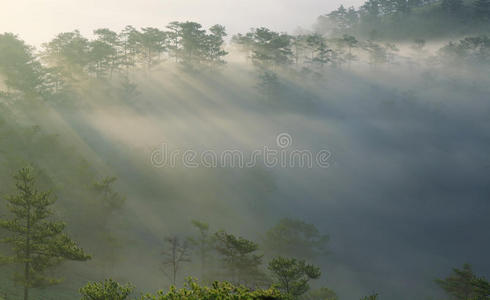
[37,21]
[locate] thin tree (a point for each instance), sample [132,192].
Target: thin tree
[175,253]
[38,242]
[105,203]
[203,243]
[350,42]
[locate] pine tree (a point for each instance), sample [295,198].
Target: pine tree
[239,258]
[350,42]
[105,52]
[481,288]
[152,43]
[69,52]
[320,53]
[292,276]
[460,284]
[129,38]
[203,243]
[295,238]
[106,203]
[19,67]
[463,284]
[38,242]
[269,49]
[213,45]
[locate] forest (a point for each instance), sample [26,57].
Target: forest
[394,94]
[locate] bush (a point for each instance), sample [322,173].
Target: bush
[109,289]
[218,290]
[373,296]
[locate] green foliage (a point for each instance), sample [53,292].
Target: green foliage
[151,44]
[379,54]
[69,52]
[204,243]
[320,53]
[107,290]
[214,44]
[373,296]
[269,49]
[104,52]
[341,20]
[239,258]
[70,57]
[103,206]
[38,243]
[292,276]
[105,201]
[464,284]
[110,200]
[218,290]
[129,46]
[481,289]
[295,238]
[268,84]
[19,67]
[202,227]
[473,50]
[407,19]
[191,45]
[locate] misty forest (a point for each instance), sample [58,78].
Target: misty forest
[172,163]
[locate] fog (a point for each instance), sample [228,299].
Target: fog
[401,190]
[404,199]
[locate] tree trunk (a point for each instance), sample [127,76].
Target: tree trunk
[28,255]
[27,249]
[26,292]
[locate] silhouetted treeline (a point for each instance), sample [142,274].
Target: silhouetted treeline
[64,63]
[70,57]
[73,66]
[408,19]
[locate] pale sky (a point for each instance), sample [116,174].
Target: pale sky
[37,21]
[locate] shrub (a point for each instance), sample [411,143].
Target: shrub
[218,290]
[109,289]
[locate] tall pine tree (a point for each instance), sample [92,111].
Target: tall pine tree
[38,242]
